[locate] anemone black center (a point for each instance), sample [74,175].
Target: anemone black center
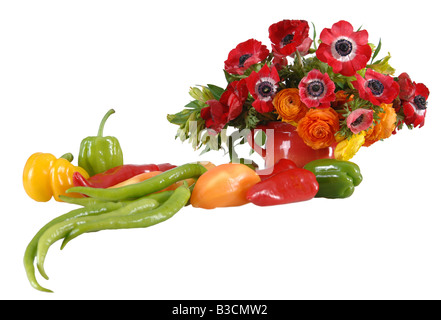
[420,102]
[376,87]
[315,88]
[265,89]
[244,58]
[287,39]
[357,121]
[343,47]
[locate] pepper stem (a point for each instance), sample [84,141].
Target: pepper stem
[103,122]
[68,156]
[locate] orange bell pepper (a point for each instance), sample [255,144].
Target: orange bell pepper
[147,175]
[138,178]
[224,186]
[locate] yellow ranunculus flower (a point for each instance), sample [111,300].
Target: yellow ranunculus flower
[347,148]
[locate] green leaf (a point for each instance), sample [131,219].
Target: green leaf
[194,105]
[377,51]
[233,77]
[179,118]
[216,91]
[383,66]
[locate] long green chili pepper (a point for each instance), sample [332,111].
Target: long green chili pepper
[161,197]
[168,209]
[31,249]
[154,184]
[92,210]
[84,202]
[60,230]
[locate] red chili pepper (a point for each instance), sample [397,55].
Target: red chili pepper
[117,175]
[293,185]
[165,166]
[281,165]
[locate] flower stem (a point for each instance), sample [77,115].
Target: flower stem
[299,59]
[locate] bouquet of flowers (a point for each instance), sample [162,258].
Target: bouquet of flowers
[333,90]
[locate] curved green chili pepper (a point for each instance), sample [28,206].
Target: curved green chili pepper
[91,210]
[31,249]
[60,230]
[84,202]
[154,184]
[145,219]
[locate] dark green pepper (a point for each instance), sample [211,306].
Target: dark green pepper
[336,178]
[99,154]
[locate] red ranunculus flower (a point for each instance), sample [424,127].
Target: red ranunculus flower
[263,86]
[229,106]
[287,35]
[245,55]
[376,87]
[343,49]
[317,90]
[415,108]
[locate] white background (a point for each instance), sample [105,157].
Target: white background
[63,64]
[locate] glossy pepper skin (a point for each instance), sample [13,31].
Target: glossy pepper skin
[117,175]
[223,186]
[98,154]
[288,186]
[336,178]
[45,176]
[281,165]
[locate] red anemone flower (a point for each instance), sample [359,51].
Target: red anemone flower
[407,87]
[234,97]
[263,86]
[376,87]
[360,120]
[279,61]
[343,49]
[215,116]
[245,55]
[317,90]
[287,35]
[305,46]
[229,106]
[415,109]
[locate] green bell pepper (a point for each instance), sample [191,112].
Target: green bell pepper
[99,154]
[336,178]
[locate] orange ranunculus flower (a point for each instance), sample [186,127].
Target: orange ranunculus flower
[289,106]
[341,97]
[318,127]
[384,128]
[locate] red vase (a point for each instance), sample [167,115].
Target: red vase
[283,142]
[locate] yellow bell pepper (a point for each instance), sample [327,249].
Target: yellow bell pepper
[45,176]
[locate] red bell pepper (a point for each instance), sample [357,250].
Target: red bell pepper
[117,175]
[281,165]
[293,185]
